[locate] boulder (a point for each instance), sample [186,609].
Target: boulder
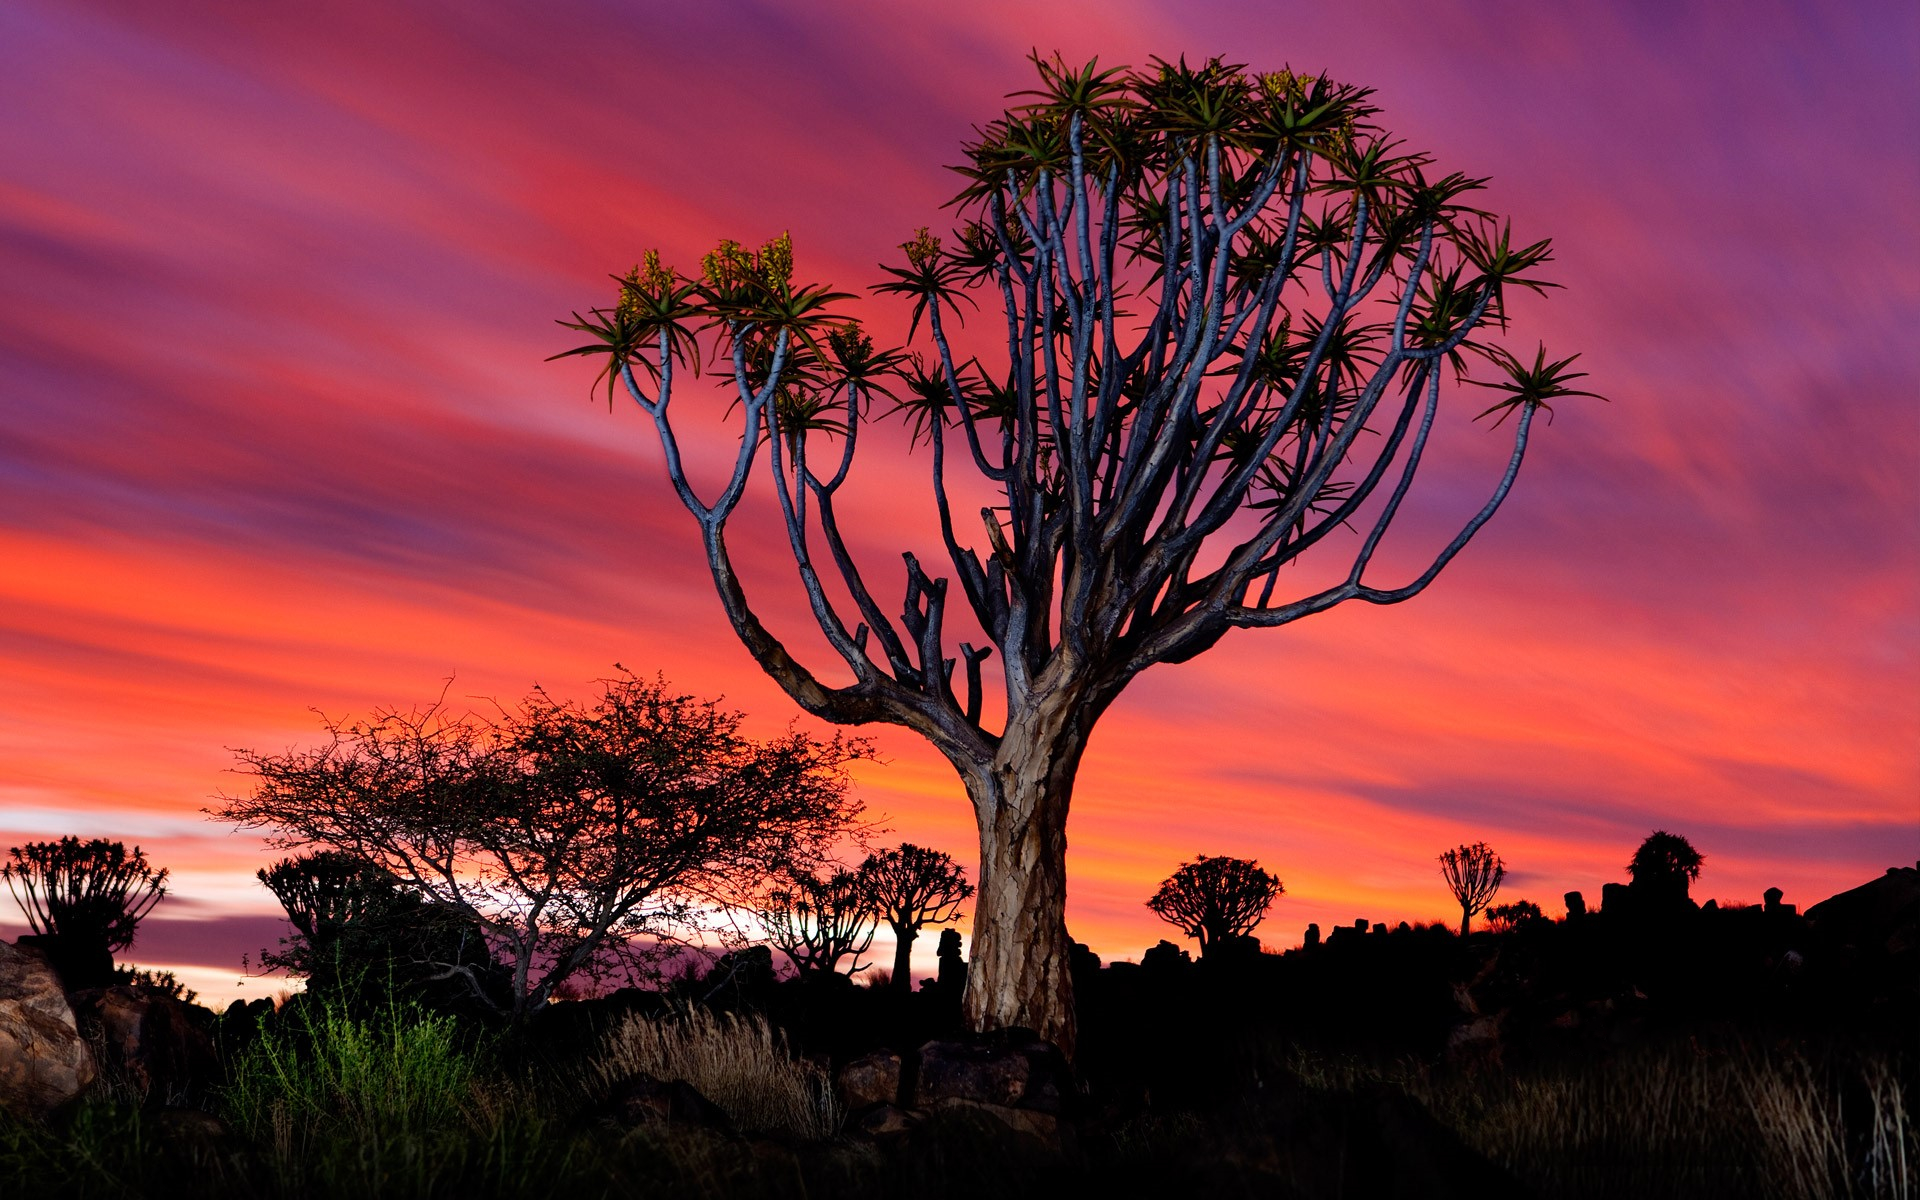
[870,1079]
[644,1100]
[1010,1067]
[153,1045]
[44,1062]
[880,1120]
[1881,914]
[1042,1126]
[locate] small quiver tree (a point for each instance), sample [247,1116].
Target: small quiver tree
[818,919]
[1473,873]
[84,899]
[360,935]
[1664,870]
[1216,899]
[912,887]
[1226,306]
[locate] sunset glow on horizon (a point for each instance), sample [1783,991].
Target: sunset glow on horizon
[277,433]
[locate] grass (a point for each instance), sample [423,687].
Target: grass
[1678,1120]
[739,1062]
[343,1104]
[406,1104]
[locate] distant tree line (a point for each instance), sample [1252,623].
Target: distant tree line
[492,860]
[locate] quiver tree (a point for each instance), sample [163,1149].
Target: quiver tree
[86,898]
[817,919]
[1231,304]
[1216,900]
[1473,873]
[912,887]
[1665,867]
[356,929]
[563,830]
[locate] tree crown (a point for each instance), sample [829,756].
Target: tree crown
[1212,283]
[562,828]
[1216,898]
[93,891]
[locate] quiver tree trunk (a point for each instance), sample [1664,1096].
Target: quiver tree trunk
[1018,975]
[904,936]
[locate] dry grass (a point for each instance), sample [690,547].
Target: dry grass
[1680,1122]
[738,1062]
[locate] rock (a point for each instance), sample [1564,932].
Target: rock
[1881,914]
[1010,1067]
[870,1079]
[152,1043]
[1044,1127]
[880,1120]
[44,1062]
[644,1100]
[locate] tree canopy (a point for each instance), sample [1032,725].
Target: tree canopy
[1473,874]
[1216,899]
[818,918]
[1227,305]
[1666,864]
[564,830]
[92,892]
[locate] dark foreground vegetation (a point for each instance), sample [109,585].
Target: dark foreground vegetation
[1650,1049]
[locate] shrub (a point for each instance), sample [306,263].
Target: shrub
[344,1102]
[739,1062]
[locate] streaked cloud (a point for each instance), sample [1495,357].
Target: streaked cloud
[275,432]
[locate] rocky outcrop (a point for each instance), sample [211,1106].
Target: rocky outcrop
[869,1080]
[1881,914]
[44,1062]
[152,1044]
[1009,1076]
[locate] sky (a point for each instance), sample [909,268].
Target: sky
[277,436]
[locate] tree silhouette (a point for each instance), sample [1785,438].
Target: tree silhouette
[562,830]
[1230,304]
[88,896]
[1215,899]
[1514,915]
[913,887]
[357,930]
[1474,874]
[818,919]
[1665,866]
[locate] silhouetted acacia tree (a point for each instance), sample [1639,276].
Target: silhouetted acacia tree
[1229,301]
[560,829]
[818,919]
[912,887]
[1214,899]
[1474,874]
[88,897]
[1665,866]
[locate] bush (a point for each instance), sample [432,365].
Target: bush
[343,1102]
[737,1061]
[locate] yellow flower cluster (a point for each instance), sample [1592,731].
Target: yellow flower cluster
[923,251]
[1284,84]
[730,265]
